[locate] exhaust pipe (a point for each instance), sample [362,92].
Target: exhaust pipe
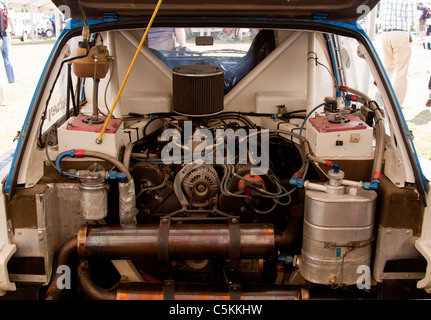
[231,241]
[177,241]
[170,290]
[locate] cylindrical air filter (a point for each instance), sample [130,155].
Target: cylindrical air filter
[198,90]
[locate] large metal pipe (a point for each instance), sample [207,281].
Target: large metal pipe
[183,241]
[177,241]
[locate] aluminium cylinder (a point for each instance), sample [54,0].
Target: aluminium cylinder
[94,199]
[337,236]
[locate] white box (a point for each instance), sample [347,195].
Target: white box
[328,140]
[76,134]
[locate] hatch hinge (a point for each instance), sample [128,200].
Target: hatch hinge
[108,17]
[320,16]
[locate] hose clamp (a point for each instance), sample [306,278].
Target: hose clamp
[82,241]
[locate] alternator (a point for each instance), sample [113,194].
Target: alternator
[201,185]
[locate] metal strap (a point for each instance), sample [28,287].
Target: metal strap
[235,242]
[163,252]
[168,290]
[235,292]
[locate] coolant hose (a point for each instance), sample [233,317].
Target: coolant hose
[77,153]
[127,155]
[61,156]
[380,135]
[110,159]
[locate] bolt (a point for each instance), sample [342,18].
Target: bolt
[164,221]
[234,220]
[333,279]
[388,231]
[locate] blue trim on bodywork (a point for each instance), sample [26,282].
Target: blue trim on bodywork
[26,120]
[359,29]
[74,24]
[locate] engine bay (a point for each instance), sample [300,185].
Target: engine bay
[200,185]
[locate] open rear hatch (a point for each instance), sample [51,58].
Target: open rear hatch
[331,10]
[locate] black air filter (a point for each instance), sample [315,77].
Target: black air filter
[198,90]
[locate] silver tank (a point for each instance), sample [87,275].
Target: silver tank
[337,235]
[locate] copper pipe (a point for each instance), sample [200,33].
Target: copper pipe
[170,290]
[64,257]
[184,241]
[91,290]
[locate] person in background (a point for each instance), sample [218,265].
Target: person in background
[422,18]
[428,104]
[164,38]
[2,99]
[6,42]
[397,18]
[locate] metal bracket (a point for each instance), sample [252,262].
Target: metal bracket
[168,290]
[235,242]
[165,224]
[235,291]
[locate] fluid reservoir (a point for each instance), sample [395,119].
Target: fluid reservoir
[95,64]
[338,232]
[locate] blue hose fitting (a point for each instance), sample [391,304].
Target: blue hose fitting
[70,153]
[333,165]
[336,167]
[296,181]
[372,185]
[121,177]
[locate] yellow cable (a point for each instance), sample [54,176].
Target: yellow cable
[99,139]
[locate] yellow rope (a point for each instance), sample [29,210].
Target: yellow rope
[99,139]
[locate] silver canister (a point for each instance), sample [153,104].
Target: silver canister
[337,235]
[94,199]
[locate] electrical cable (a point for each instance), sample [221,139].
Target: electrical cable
[42,120]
